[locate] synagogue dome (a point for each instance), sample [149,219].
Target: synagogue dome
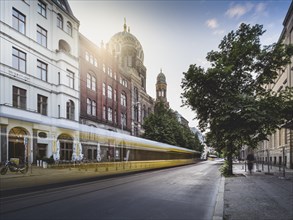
[125,39]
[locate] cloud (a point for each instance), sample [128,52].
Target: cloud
[260,7]
[239,10]
[212,23]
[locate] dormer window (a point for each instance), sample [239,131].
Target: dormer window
[61,3]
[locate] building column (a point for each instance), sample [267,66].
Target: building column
[35,145]
[3,143]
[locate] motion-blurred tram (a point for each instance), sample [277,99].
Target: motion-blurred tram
[103,145]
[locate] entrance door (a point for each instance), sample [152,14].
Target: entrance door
[16,147]
[65,150]
[16,150]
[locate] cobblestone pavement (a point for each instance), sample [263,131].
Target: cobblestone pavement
[258,195]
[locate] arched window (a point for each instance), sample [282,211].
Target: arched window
[69,28]
[66,147]
[16,145]
[60,21]
[70,110]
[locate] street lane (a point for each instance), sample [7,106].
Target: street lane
[187,192]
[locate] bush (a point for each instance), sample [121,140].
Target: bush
[224,169]
[49,160]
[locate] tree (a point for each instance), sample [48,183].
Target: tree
[162,126]
[231,98]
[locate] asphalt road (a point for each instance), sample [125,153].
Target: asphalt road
[187,192]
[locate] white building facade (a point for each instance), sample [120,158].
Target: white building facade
[39,72]
[278,150]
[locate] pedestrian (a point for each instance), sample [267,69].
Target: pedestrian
[250,159]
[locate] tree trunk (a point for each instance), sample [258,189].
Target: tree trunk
[230,159]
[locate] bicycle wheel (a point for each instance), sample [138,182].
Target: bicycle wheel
[3,170]
[24,171]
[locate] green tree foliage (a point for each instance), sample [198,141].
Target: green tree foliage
[162,126]
[231,98]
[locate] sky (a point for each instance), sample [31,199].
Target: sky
[175,34]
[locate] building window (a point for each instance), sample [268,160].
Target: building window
[110,73]
[19,97]
[110,114]
[88,80]
[104,68]
[89,106]
[115,117]
[42,70]
[129,63]
[87,56]
[60,21]
[70,110]
[41,36]
[144,113]
[95,62]
[104,89]
[18,21]
[18,60]
[104,112]
[123,120]
[109,92]
[123,99]
[135,94]
[69,28]
[285,136]
[42,104]
[42,9]
[70,77]
[91,82]
[94,108]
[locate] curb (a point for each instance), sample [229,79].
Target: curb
[219,208]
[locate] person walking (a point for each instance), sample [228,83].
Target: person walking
[250,160]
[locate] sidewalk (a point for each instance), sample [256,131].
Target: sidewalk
[258,195]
